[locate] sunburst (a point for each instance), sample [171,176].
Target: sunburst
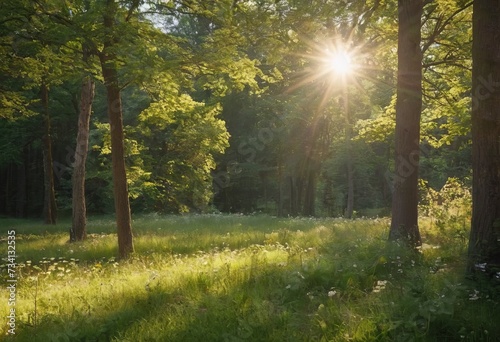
[340,63]
[332,68]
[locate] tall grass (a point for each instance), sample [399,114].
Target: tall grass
[245,278]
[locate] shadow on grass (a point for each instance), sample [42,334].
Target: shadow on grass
[153,234]
[329,296]
[272,303]
[256,309]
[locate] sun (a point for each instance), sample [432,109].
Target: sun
[340,63]
[332,67]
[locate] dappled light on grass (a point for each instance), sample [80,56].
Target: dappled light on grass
[228,277]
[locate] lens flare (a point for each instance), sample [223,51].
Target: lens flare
[340,63]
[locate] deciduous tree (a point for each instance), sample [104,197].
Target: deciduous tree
[404,224]
[484,241]
[79,231]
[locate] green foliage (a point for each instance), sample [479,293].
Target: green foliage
[183,159]
[448,210]
[235,93]
[446,44]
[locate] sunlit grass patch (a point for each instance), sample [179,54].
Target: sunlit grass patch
[231,277]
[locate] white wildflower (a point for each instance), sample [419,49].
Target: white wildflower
[474,296]
[482,266]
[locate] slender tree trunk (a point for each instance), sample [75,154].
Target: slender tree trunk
[50,207]
[79,231]
[120,188]
[484,241]
[404,224]
[8,180]
[295,194]
[21,188]
[328,198]
[310,194]
[349,158]
[349,211]
[280,210]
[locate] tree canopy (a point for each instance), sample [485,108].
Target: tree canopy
[233,105]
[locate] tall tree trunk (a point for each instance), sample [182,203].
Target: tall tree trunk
[484,241]
[21,188]
[295,193]
[328,197]
[349,211]
[120,189]
[279,201]
[349,158]
[50,207]
[79,231]
[8,181]
[404,224]
[310,193]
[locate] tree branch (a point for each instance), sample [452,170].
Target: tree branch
[441,25]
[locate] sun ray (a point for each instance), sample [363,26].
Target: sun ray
[332,68]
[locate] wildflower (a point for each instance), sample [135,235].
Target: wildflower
[288,286]
[474,296]
[482,267]
[380,286]
[332,293]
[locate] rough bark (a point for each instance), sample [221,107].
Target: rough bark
[79,231]
[120,188]
[50,207]
[404,224]
[484,241]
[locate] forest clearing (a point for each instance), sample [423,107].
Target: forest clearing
[247,278]
[250,170]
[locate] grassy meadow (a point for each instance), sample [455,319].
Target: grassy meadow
[245,278]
